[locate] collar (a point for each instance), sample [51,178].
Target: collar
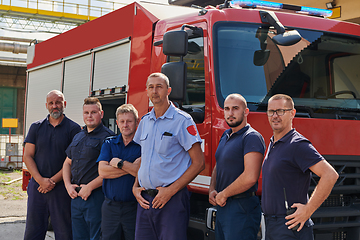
[168,114]
[96,130]
[61,123]
[241,131]
[119,139]
[285,137]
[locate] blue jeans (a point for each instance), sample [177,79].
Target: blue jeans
[168,223]
[118,220]
[86,216]
[238,219]
[56,204]
[275,229]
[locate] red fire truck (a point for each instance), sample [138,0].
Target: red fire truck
[254,48]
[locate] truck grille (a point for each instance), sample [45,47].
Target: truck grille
[338,218]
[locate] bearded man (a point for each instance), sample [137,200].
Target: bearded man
[44,155]
[234,179]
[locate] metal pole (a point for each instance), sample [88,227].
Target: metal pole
[89,5]
[9,135]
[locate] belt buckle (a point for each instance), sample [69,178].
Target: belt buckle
[152,192]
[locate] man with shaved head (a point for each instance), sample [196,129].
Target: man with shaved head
[44,155]
[234,179]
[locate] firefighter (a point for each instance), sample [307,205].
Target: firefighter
[234,178]
[44,155]
[171,157]
[286,174]
[80,172]
[118,164]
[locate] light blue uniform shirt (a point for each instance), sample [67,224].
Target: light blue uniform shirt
[164,144]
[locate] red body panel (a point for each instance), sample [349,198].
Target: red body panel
[98,32]
[325,134]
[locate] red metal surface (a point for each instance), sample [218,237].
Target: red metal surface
[140,57]
[26,178]
[109,28]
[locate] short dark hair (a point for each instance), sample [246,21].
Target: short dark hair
[91,101]
[159,75]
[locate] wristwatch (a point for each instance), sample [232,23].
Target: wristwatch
[120,164]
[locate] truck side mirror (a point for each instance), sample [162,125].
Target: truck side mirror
[175,43]
[287,38]
[282,38]
[176,72]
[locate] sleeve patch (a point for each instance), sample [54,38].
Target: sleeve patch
[192,130]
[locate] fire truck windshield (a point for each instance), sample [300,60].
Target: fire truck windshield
[320,72]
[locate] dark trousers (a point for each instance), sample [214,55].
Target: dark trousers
[118,220]
[86,216]
[168,223]
[275,229]
[238,219]
[56,204]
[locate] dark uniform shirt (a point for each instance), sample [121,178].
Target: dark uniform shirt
[119,189]
[51,143]
[230,155]
[84,151]
[286,165]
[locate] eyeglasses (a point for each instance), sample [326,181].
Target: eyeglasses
[279,112]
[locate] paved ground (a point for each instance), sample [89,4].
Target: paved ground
[13,215]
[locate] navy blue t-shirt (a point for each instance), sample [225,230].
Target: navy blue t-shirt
[84,151]
[286,165]
[51,143]
[230,155]
[119,189]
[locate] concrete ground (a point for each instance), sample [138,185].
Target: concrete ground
[13,205]
[12,220]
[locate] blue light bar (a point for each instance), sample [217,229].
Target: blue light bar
[275,5]
[255,3]
[316,11]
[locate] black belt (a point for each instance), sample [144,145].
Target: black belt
[151,192]
[243,195]
[275,216]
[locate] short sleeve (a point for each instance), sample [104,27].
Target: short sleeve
[188,134]
[105,153]
[138,133]
[75,130]
[68,151]
[31,136]
[306,155]
[254,142]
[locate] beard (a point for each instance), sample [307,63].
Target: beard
[234,124]
[57,114]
